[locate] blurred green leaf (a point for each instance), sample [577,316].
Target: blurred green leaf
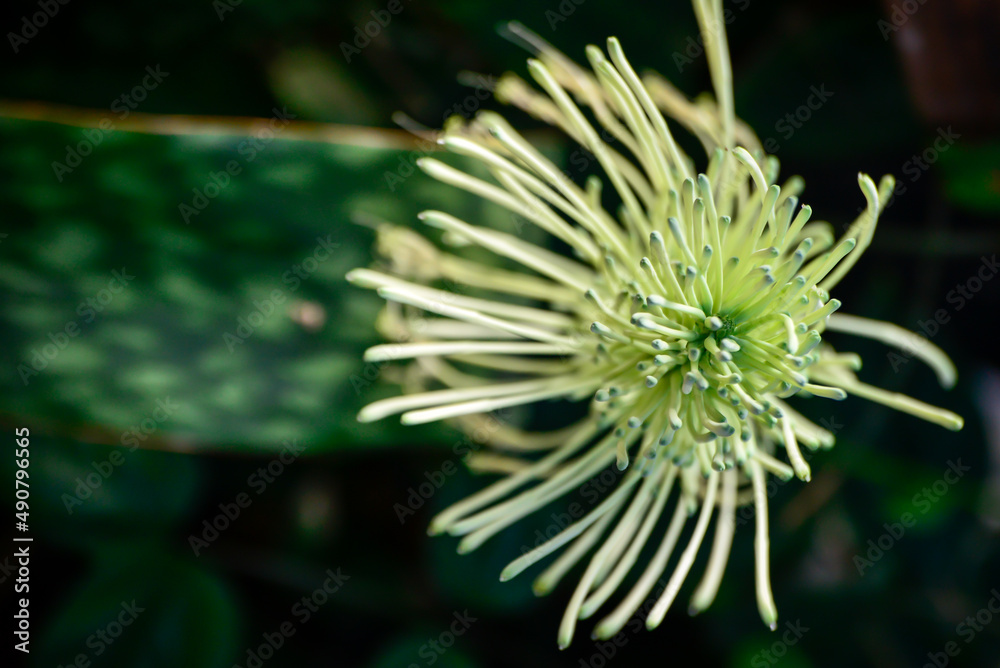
[972,176]
[234,309]
[141,607]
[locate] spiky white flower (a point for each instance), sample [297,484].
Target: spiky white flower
[687,320]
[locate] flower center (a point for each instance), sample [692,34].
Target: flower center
[727,329]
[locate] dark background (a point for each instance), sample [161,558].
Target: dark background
[299,376]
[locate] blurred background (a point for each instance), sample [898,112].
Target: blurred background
[180,185]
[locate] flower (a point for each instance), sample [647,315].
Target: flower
[686,321]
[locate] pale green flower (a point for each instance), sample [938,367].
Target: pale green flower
[686,321]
